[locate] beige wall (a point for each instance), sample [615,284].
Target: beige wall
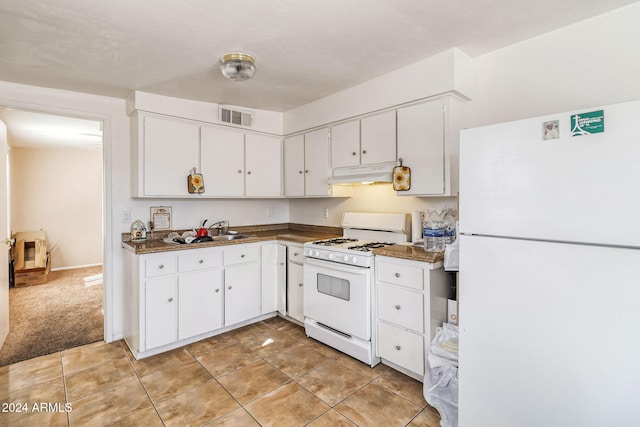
[59,191]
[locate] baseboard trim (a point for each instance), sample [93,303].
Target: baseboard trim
[76,266]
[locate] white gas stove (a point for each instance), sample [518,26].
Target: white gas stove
[339,301]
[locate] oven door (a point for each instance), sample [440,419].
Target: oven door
[338,296]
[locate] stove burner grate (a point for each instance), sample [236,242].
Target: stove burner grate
[335,241]
[368,246]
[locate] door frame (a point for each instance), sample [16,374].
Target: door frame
[107,259]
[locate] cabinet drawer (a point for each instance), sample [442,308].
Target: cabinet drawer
[295,254]
[401,347]
[200,260]
[401,307]
[399,274]
[160,266]
[240,254]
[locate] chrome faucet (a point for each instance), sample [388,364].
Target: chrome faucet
[221,226]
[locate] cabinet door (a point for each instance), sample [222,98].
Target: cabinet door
[345,144]
[295,291]
[242,293]
[263,160]
[222,153]
[171,150]
[273,257]
[421,146]
[316,160]
[294,166]
[199,302]
[161,311]
[378,138]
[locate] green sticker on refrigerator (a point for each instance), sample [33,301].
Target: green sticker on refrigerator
[587,123]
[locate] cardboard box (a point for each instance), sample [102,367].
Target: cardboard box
[31,262]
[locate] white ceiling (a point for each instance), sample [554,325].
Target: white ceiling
[304,49]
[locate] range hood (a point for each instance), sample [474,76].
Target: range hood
[366,174]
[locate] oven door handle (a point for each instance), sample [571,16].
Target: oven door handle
[333,266]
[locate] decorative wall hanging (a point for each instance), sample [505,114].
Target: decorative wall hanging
[401,177]
[195,182]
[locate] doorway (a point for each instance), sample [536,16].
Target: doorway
[55,173]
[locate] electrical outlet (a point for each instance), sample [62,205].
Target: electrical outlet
[125,216]
[325,213]
[269,211]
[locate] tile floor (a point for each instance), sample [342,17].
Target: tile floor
[265,374]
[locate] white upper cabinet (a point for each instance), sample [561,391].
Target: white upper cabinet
[428,143]
[316,162]
[345,144]
[378,138]
[369,141]
[263,162]
[306,164]
[222,153]
[294,166]
[168,149]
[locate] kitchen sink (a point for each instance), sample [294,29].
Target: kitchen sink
[230,237]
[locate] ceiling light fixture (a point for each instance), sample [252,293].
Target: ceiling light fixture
[237,66]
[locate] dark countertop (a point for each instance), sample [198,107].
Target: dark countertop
[295,233]
[414,253]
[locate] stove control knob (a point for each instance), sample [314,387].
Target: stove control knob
[318,253]
[354,260]
[346,257]
[331,256]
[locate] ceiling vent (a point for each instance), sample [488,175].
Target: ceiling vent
[235,116]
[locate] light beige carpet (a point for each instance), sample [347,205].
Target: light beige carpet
[61,314]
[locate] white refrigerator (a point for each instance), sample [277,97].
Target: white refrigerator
[549,285]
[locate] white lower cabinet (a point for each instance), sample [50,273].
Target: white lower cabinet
[411,304]
[242,283]
[295,290]
[200,299]
[161,311]
[174,297]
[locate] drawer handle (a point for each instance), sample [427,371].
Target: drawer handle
[161,266]
[170,299]
[295,254]
[397,307]
[397,274]
[398,348]
[242,256]
[217,290]
[201,261]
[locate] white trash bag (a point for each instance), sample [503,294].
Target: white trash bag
[440,385]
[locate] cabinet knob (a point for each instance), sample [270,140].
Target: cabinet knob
[170,299]
[397,274]
[239,170]
[354,153]
[295,254]
[397,307]
[300,284]
[299,171]
[242,256]
[306,171]
[398,348]
[201,261]
[229,287]
[161,266]
[217,290]
[364,151]
[248,172]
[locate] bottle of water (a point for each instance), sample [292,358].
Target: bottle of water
[433,232]
[450,227]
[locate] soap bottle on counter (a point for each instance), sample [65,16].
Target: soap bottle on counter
[433,232]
